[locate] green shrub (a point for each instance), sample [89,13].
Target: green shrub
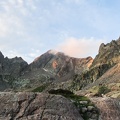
[40,88]
[103,90]
[61,92]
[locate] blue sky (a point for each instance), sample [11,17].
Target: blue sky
[29,28]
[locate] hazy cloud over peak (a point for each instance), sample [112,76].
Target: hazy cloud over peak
[80,47]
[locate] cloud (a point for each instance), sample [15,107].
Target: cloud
[13,53]
[80,47]
[75,1]
[43,24]
[28,54]
[12,16]
[14,25]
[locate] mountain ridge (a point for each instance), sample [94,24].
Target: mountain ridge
[56,66]
[56,73]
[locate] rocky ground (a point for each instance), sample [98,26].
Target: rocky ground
[36,106]
[42,106]
[109,108]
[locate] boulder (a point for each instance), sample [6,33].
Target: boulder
[109,108]
[36,106]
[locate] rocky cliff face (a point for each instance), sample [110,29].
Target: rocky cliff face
[10,69]
[109,79]
[36,106]
[49,67]
[54,67]
[12,66]
[59,64]
[108,57]
[108,54]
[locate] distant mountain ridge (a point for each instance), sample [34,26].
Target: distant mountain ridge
[59,63]
[58,70]
[11,66]
[51,65]
[9,70]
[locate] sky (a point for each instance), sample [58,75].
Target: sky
[29,28]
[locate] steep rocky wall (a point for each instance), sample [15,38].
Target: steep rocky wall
[108,57]
[12,66]
[10,70]
[58,64]
[108,54]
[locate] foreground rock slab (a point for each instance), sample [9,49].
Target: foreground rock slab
[109,108]
[36,106]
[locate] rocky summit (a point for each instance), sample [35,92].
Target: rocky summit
[9,70]
[57,64]
[56,86]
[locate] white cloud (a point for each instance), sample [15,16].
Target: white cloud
[76,1]
[12,15]
[34,53]
[26,24]
[20,2]
[13,53]
[10,25]
[80,47]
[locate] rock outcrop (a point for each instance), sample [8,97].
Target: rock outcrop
[109,108]
[10,69]
[108,54]
[55,67]
[58,64]
[109,79]
[12,66]
[36,106]
[106,61]
[49,67]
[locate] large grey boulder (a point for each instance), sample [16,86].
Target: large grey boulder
[109,108]
[36,106]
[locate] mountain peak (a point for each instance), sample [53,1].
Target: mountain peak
[1,56]
[54,52]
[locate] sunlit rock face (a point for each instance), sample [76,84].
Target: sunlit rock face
[104,69]
[56,64]
[108,54]
[52,65]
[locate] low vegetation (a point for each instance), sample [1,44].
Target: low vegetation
[103,90]
[79,101]
[40,88]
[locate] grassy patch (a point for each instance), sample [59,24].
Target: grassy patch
[102,90]
[40,88]
[68,94]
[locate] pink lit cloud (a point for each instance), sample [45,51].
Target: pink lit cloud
[80,47]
